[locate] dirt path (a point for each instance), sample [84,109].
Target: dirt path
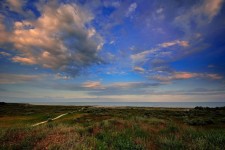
[39,123]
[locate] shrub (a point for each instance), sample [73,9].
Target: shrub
[222,120]
[170,142]
[199,121]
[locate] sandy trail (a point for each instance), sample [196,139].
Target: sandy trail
[39,123]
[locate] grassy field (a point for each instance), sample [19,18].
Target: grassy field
[119,128]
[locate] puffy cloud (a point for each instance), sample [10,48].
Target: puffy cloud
[60,39]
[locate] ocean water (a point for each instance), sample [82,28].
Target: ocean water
[138,104]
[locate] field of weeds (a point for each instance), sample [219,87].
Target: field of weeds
[119,128]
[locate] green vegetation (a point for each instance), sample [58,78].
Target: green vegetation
[119,128]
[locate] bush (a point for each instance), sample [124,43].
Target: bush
[119,141]
[170,142]
[222,120]
[204,139]
[199,121]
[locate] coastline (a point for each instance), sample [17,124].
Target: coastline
[136,104]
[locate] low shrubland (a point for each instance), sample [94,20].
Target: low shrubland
[120,128]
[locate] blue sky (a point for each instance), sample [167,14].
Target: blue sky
[78,50]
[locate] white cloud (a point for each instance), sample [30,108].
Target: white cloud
[202,13]
[16,5]
[61,76]
[140,57]
[131,9]
[158,51]
[186,75]
[18,78]
[139,69]
[160,10]
[116,4]
[5,54]
[24,60]
[211,8]
[214,76]
[91,32]
[158,59]
[59,39]
[111,42]
[132,48]
[128,85]
[4,35]
[93,85]
[176,42]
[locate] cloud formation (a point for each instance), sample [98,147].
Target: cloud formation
[201,14]
[158,61]
[116,88]
[125,88]
[59,76]
[138,69]
[4,35]
[18,78]
[92,85]
[186,75]
[131,9]
[159,52]
[60,39]
[5,54]
[176,42]
[15,5]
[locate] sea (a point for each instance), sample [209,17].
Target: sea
[138,104]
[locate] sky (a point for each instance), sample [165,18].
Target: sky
[112,51]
